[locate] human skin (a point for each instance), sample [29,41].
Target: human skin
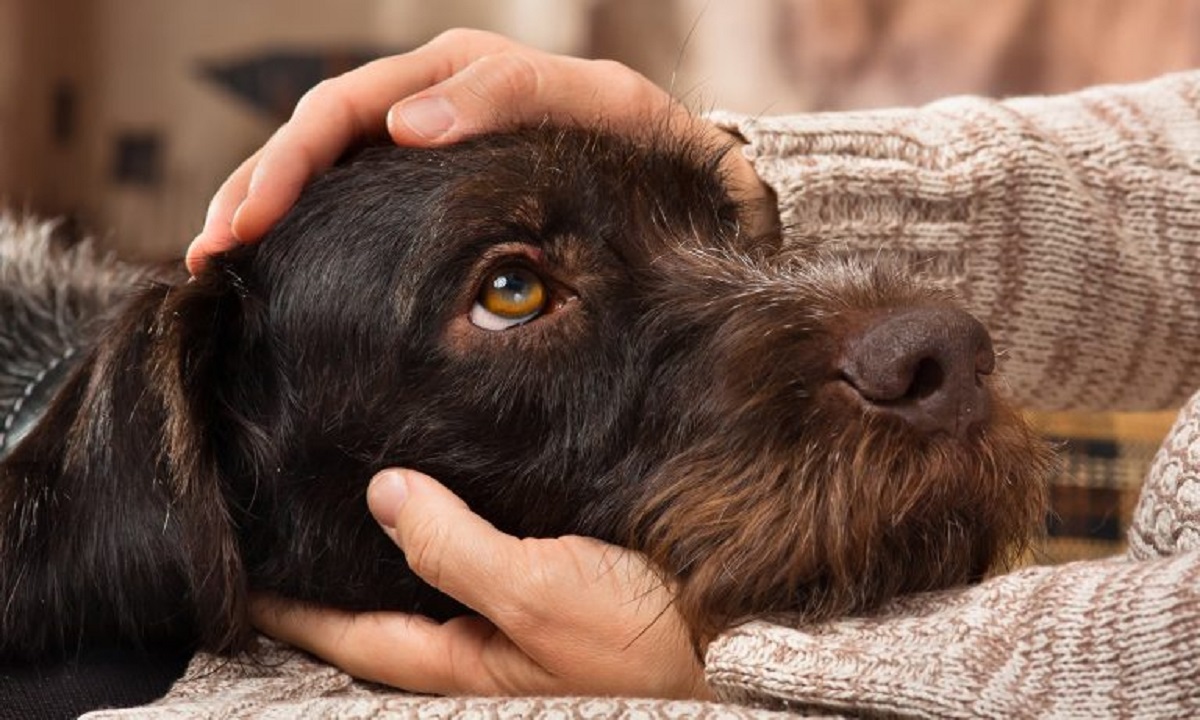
[558,616]
[461,83]
[566,615]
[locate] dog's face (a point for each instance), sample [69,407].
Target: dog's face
[570,331]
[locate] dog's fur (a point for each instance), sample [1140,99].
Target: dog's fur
[680,396]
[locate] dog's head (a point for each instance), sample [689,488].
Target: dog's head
[572,332]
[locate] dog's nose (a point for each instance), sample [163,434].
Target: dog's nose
[923,365]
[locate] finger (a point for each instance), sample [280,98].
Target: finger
[356,642]
[401,650]
[217,235]
[520,86]
[516,583]
[450,547]
[339,112]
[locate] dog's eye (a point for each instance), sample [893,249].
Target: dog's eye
[510,296]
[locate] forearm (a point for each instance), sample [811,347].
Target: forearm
[1068,224]
[1101,639]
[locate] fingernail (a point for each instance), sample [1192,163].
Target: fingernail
[429,117]
[387,492]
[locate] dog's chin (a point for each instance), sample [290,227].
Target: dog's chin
[843,522]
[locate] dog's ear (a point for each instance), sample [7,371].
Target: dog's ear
[203,372]
[114,521]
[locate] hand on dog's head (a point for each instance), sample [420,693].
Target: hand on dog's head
[566,328]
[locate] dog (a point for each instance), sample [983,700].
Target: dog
[574,331]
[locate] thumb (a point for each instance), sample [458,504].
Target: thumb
[517,86]
[445,543]
[468,102]
[386,493]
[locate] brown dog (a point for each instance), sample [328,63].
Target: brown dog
[565,327]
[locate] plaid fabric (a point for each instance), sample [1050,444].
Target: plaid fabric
[1104,459]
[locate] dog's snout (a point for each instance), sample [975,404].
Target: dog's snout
[924,365]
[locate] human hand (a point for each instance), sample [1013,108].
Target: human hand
[560,616]
[462,83]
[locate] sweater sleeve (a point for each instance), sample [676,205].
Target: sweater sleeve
[1070,225]
[1115,638]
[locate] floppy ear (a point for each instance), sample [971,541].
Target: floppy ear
[114,523]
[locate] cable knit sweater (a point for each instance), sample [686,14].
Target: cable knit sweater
[1071,226]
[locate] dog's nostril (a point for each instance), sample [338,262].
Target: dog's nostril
[924,365]
[927,379]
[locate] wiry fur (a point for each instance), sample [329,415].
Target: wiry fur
[680,398]
[50,302]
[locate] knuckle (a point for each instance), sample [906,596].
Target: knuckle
[504,77]
[454,36]
[611,68]
[466,669]
[423,549]
[623,81]
[535,595]
[465,36]
[318,96]
[326,104]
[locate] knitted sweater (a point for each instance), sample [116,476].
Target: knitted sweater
[1071,227]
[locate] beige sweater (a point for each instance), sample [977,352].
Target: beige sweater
[1071,226]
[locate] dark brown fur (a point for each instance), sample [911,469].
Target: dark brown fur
[681,397]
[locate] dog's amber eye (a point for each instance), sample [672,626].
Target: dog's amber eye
[510,296]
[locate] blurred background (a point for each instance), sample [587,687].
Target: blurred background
[123,116]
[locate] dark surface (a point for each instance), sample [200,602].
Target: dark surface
[102,679]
